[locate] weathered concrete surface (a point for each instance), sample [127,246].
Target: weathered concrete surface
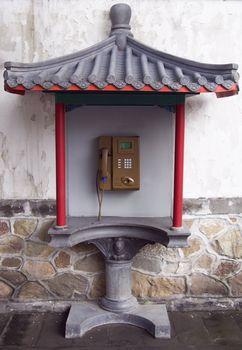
[190,331]
[206,31]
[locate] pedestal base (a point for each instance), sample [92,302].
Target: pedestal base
[117,306]
[85,316]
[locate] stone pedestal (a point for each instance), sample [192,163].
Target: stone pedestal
[118,305]
[119,239]
[118,296]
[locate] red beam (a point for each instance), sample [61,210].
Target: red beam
[60,164]
[19,90]
[179,165]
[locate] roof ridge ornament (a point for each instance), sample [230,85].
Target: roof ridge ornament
[120,15]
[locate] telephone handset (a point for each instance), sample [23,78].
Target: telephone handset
[104,162]
[118,163]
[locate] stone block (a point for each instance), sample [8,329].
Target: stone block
[187,223]
[62,260]
[225,205]
[12,262]
[235,284]
[195,244]
[15,278]
[84,248]
[184,268]
[159,251]
[41,232]
[98,286]
[146,263]
[24,227]
[227,267]
[144,286]
[5,290]
[11,245]
[4,227]
[32,290]
[211,227]
[10,208]
[39,270]
[67,285]
[91,263]
[169,267]
[205,285]
[196,206]
[229,244]
[38,250]
[204,262]
[45,207]
[233,219]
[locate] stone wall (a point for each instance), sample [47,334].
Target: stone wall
[31,270]
[210,266]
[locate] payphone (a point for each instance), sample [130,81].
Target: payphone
[118,163]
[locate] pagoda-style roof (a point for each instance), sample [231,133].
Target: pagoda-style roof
[121,63]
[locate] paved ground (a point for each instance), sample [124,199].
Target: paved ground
[190,331]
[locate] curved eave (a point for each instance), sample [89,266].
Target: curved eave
[220,90]
[121,63]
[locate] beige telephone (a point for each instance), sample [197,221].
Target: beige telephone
[118,163]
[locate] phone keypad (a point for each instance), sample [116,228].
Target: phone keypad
[128,163]
[125,163]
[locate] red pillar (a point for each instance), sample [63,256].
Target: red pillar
[60,164]
[179,165]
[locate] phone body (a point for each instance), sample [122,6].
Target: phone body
[119,163]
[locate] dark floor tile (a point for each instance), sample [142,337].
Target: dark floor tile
[22,330]
[158,347]
[131,337]
[131,347]
[108,347]
[12,347]
[52,334]
[4,319]
[189,329]
[126,335]
[220,347]
[237,316]
[94,347]
[98,336]
[223,329]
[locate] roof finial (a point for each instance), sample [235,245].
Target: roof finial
[120,16]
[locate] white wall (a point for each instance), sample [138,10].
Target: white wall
[204,30]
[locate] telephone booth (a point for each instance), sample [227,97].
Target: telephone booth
[120,122]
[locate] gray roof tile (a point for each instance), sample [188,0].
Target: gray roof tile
[121,60]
